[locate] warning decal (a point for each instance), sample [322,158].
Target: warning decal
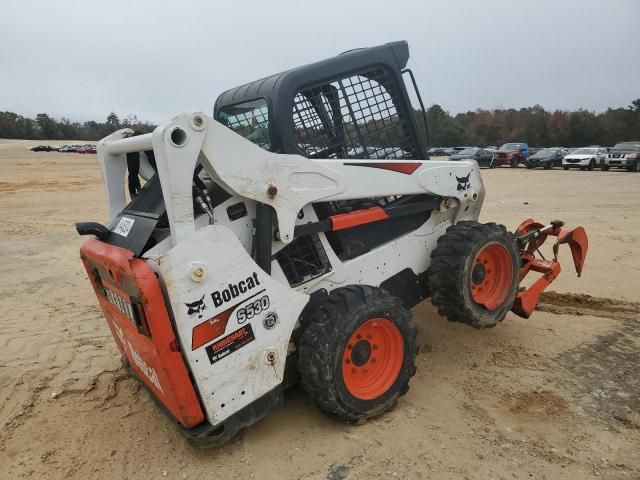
[229,344]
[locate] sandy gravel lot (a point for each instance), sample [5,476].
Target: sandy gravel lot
[556,396]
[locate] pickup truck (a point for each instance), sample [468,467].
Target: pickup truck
[623,155]
[512,154]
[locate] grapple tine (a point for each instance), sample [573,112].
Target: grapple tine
[530,235]
[578,243]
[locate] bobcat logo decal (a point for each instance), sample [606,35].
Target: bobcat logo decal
[463,183]
[197,307]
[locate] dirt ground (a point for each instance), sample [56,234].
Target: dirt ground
[555,396]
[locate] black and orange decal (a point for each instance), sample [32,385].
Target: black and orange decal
[231,343]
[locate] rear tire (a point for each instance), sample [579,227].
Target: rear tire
[548,166]
[356,353]
[474,273]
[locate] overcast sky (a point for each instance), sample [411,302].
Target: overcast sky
[83,59]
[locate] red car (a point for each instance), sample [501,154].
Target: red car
[512,154]
[87,149]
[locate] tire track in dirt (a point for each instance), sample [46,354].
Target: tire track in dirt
[606,370]
[583,304]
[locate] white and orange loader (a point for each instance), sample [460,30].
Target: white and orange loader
[242,267]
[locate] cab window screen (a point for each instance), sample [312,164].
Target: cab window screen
[249,119]
[356,116]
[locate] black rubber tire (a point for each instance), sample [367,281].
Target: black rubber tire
[564,167]
[583,168]
[604,168]
[634,167]
[548,165]
[514,163]
[324,338]
[592,164]
[529,167]
[449,274]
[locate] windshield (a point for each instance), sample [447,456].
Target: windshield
[627,147]
[544,153]
[249,119]
[584,151]
[467,151]
[510,146]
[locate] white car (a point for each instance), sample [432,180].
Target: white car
[586,158]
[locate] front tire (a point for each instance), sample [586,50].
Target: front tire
[604,168]
[592,164]
[565,167]
[474,273]
[357,353]
[514,163]
[634,167]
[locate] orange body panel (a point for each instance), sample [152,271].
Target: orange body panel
[155,358]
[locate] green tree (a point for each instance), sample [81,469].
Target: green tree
[113,122]
[47,126]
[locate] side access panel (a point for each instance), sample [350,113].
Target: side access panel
[130,296]
[234,321]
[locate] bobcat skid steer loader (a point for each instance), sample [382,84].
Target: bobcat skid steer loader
[286,239]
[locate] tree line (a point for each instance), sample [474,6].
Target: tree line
[44,127]
[533,125]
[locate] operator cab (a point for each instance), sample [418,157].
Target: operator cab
[354,105]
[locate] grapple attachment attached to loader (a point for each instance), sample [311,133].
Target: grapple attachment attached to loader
[530,236]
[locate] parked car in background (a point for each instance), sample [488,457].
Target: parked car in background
[66,148]
[512,154]
[41,148]
[585,158]
[438,152]
[546,158]
[484,156]
[87,149]
[450,151]
[623,155]
[459,149]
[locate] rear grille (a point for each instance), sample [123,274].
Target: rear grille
[123,305]
[354,117]
[303,259]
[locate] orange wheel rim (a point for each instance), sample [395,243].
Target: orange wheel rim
[372,359]
[491,276]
